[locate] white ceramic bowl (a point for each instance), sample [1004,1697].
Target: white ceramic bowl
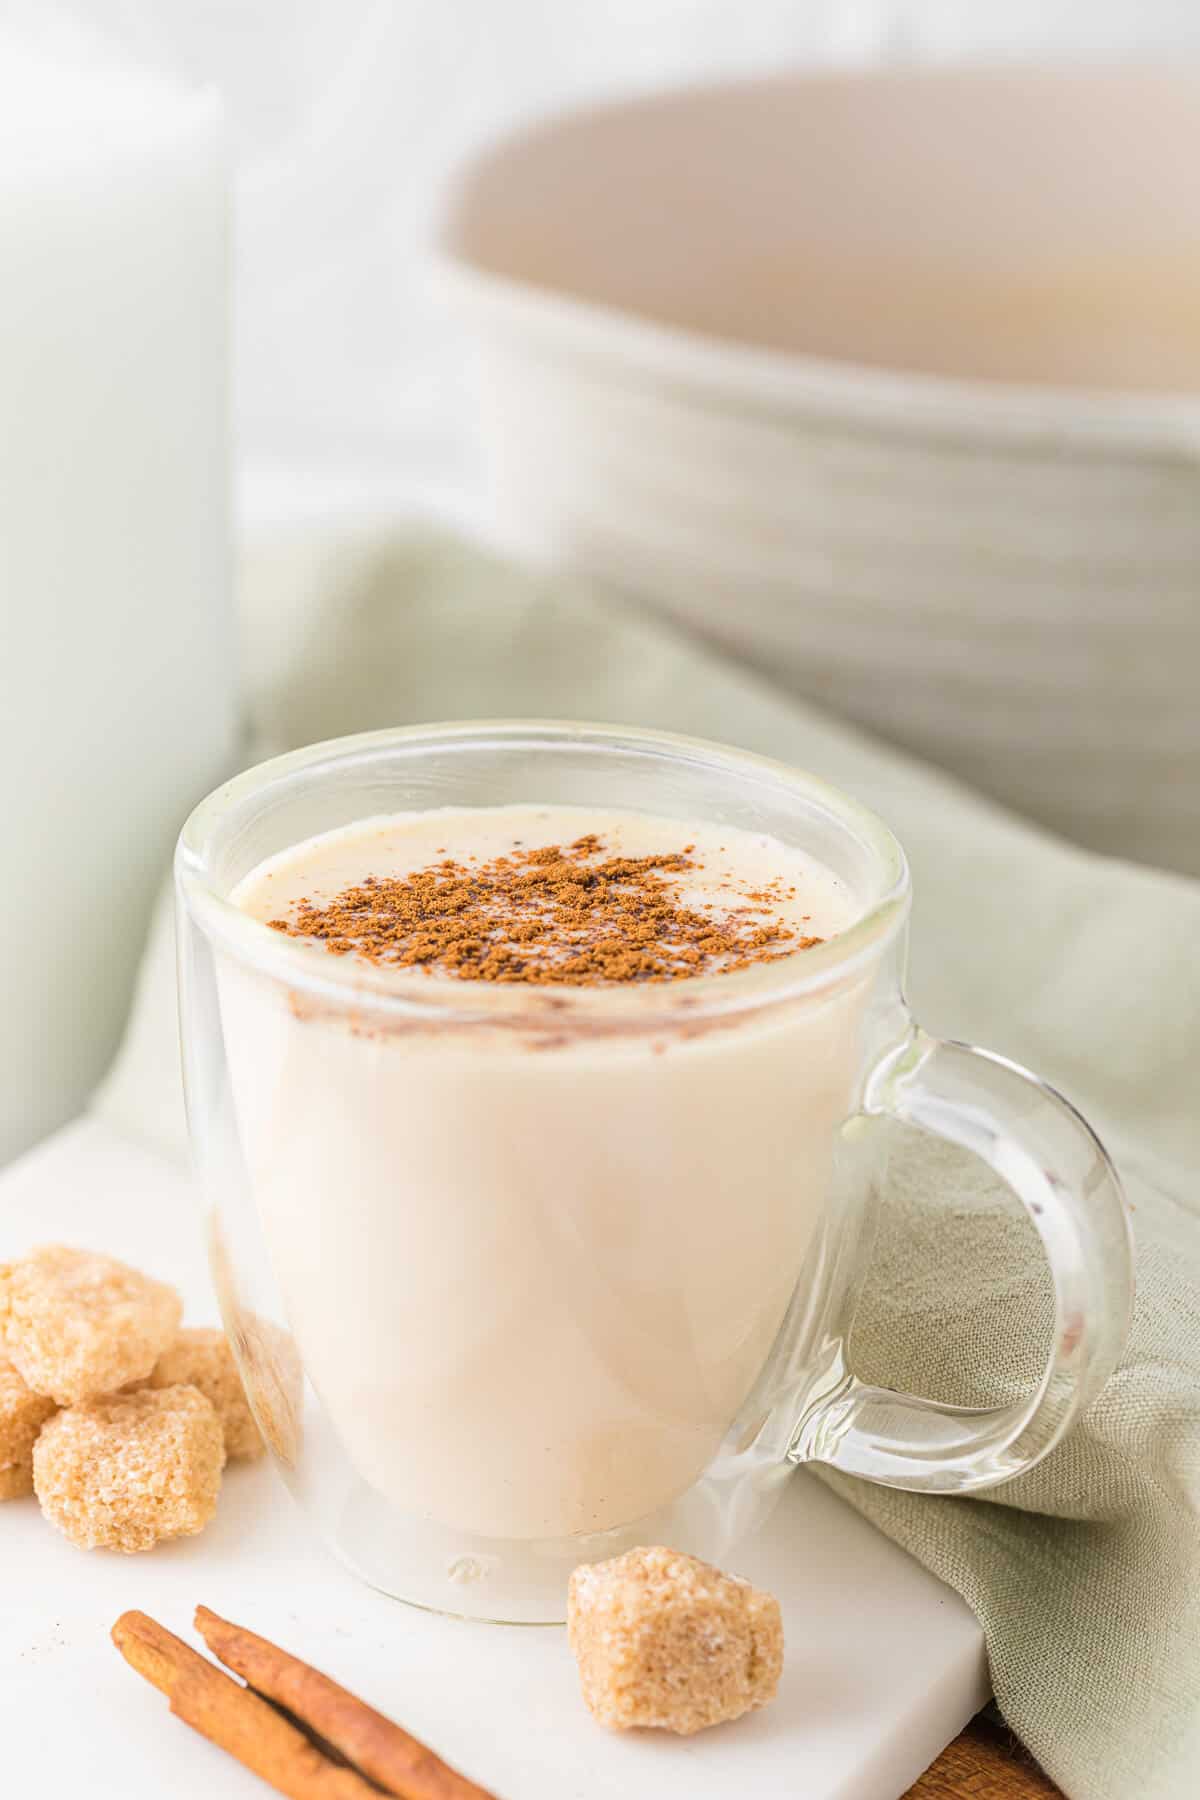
[891,384]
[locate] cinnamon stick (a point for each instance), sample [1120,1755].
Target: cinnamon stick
[388,1755]
[232,1717]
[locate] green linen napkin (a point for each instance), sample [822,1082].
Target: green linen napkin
[1085,1573]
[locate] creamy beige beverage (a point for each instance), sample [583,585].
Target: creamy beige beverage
[535,1258]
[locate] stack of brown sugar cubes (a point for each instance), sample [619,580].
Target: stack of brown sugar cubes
[117,1419]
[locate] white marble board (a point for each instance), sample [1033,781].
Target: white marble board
[884,1664]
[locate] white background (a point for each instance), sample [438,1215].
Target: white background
[346,115]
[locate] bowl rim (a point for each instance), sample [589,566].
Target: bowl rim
[742,378]
[741,381]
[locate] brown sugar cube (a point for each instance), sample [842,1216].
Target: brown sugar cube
[22,1415]
[268,1358]
[201,1358]
[76,1324]
[274,1381]
[663,1639]
[127,1472]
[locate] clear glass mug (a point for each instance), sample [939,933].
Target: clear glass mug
[518,1277]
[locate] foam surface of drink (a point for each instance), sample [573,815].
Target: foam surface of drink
[732,876]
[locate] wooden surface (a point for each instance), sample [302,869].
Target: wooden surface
[985,1763]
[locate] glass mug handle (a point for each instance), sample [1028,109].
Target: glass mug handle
[1035,1141]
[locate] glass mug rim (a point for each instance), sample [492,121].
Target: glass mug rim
[309,968]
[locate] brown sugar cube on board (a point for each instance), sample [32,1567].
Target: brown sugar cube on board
[274,1381]
[127,1472]
[22,1415]
[76,1324]
[201,1358]
[267,1357]
[662,1639]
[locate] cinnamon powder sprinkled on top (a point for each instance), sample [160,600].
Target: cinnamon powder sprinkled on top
[569,916]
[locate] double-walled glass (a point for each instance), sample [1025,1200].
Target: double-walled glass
[521,1276]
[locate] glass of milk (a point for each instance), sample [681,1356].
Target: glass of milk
[520,1275]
